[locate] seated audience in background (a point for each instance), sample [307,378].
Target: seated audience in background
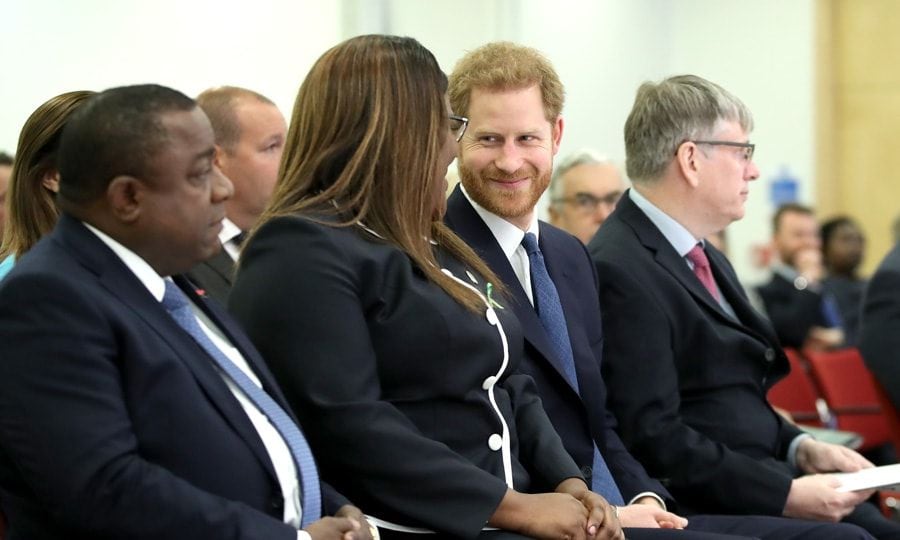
[129,406]
[843,247]
[507,90]
[34,180]
[804,314]
[584,191]
[384,328]
[249,132]
[879,335]
[6,163]
[687,361]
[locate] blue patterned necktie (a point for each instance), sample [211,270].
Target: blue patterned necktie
[178,306]
[550,312]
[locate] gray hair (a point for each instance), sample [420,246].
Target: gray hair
[581,157]
[668,113]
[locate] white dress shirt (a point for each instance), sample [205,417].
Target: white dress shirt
[227,235]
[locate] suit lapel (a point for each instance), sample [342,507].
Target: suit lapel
[462,218]
[665,256]
[120,282]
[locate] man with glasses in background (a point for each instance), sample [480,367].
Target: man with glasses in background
[687,360]
[584,191]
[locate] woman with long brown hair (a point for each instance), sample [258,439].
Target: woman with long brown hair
[386,332]
[34,181]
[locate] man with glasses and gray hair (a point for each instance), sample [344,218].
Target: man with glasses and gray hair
[584,190]
[688,361]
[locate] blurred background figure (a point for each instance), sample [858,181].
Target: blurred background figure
[802,312]
[6,163]
[584,190]
[250,133]
[34,180]
[843,250]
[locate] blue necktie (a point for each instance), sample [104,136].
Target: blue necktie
[550,312]
[831,313]
[178,306]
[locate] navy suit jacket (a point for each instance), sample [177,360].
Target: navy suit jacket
[687,381]
[113,421]
[879,336]
[581,419]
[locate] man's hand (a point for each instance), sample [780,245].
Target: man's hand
[649,516]
[808,263]
[818,457]
[352,512]
[820,338]
[334,528]
[815,497]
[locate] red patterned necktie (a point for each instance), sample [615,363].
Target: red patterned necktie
[701,269]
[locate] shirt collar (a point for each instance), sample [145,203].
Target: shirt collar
[228,232]
[680,238]
[138,266]
[508,235]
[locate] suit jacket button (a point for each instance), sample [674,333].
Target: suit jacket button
[770,355]
[587,472]
[495,442]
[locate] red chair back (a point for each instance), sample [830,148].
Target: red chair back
[797,394]
[847,386]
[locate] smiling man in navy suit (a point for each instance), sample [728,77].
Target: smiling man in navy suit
[129,406]
[513,100]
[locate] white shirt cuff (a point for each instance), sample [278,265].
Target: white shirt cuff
[303,535]
[649,494]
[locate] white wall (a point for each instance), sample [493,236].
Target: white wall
[53,46]
[762,51]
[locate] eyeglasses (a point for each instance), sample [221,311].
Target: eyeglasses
[458,125]
[748,148]
[588,203]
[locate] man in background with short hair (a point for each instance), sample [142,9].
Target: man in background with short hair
[250,133]
[584,190]
[804,314]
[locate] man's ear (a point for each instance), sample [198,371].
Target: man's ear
[125,195]
[687,161]
[219,156]
[557,132]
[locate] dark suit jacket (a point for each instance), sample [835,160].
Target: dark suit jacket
[114,423]
[580,420]
[393,380]
[879,339]
[686,381]
[792,311]
[214,276]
